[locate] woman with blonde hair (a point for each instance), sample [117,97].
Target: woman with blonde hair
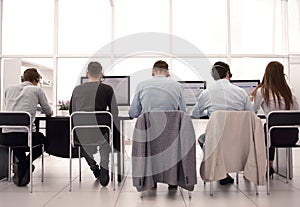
[272,94]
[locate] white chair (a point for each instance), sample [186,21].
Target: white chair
[20,119]
[80,120]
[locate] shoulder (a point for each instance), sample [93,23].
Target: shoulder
[105,86]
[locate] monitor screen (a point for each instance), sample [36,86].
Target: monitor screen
[192,90]
[248,85]
[121,86]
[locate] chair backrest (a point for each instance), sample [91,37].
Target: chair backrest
[89,126]
[163,142]
[234,142]
[282,128]
[283,118]
[17,119]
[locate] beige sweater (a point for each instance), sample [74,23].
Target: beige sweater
[234,142]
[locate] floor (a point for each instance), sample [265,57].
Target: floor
[55,190]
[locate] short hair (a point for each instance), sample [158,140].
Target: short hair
[219,70]
[31,74]
[161,65]
[94,68]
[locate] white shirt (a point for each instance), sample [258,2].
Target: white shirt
[25,97]
[260,102]
[222,96]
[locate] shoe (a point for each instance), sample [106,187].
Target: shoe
[22,175]
[271,172]
[104,176]
[172,187]
[227,180]
[155,186]
[96,171]
[26,178]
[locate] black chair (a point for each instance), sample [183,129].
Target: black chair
[93,122]
[278,125]
[22,120]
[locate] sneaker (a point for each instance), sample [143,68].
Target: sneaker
[26,179]
[96,172]
[154,186]
[227,180]
[104,176]
[22,175]
[172,187]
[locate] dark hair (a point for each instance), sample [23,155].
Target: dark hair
[31,74]
[274,82]
[219,70]
[94,68]
[161,65]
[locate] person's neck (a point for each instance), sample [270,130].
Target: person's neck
[94,79]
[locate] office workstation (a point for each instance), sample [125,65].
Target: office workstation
[127,38]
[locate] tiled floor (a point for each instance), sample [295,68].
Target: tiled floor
[55,190]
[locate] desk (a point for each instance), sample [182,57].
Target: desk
[58,136]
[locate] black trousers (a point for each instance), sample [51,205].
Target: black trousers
[21,139]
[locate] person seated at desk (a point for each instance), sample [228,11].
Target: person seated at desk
[221,96]
[25,97]
[272,94]
[158,94]
[95,96]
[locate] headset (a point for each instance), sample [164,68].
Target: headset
[227,70]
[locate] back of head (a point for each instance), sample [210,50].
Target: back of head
[161,65]
[219,70]
[94,69]
[31,75]
[274,74]
[274,82]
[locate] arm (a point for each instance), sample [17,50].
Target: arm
[248,106]
[201,105]
[258,100]
[295,103]
[44,103]
[113,107]
[136,106]
[182,105]
[71,109]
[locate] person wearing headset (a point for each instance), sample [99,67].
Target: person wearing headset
[25,97]
[221,96]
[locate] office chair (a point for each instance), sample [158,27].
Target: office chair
[234,143]
[22,120]
[276,123]
[163,151]
[93,122]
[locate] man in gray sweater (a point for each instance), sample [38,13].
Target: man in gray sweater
[95,96]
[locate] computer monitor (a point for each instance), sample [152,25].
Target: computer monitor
[121,86]
[192,90]
[248,85]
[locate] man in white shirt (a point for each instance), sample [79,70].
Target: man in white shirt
[25,97]
[221,96]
